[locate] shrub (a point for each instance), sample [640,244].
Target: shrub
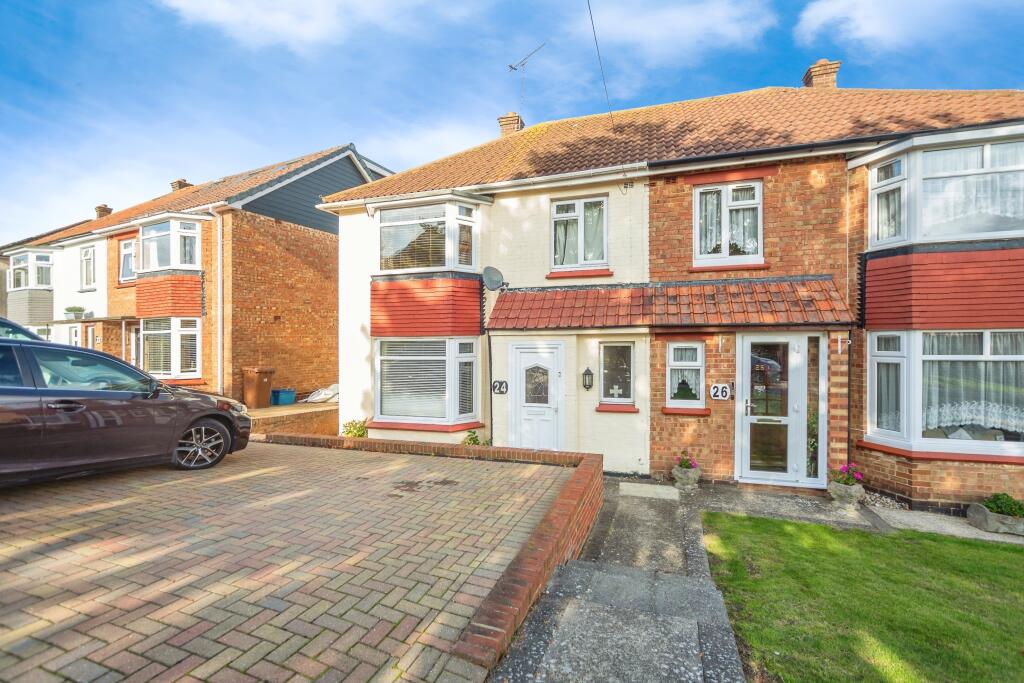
[354,428]
[471,439]
[847,474]
[1004,504]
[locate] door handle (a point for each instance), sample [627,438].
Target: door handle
[65,406]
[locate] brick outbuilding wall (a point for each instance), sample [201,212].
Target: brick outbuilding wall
[281,302]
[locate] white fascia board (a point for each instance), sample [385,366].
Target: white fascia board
[985,134]
[27,250]
[376,167]
[142,220]
[410,199]
[312,169]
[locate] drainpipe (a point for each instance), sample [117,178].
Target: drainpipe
[849,393]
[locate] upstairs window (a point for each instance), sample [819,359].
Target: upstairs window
[87,267]
[580,232]
[975,190]
[887,202]
[127,250]
[169,244]
[728,224]
[29,270]
[433,236]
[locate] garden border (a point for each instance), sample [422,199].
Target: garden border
[558,538]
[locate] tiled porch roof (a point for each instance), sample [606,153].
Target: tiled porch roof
[764,301]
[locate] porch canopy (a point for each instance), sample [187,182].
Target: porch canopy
[808,300]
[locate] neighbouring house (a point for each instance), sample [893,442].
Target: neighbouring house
[30,279]
[772,281]
[197,284]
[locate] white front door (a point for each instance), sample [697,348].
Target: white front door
[536,389]
[781,401]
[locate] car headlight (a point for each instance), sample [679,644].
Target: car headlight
[233,407]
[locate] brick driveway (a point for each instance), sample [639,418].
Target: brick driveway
[282,563]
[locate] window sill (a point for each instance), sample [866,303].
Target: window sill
[726,266]
[933,455]
[617,408]
[424,427]
[86,291]
[591,272]
[696,412]
[125,283]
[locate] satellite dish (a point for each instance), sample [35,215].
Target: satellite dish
[493,279]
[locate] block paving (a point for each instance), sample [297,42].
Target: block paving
[283,563]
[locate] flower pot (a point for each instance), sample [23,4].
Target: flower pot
[986,520]
[69,316]
[844,494]
[686,477]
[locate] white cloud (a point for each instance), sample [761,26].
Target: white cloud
[891,25]
[404,146]
[681,33]
[300,25]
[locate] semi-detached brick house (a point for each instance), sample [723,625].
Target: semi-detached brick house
[196,284]
[771,281]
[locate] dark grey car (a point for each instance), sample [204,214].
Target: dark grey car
[66,410]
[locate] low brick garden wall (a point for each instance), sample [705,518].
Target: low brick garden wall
[558,538]
[313,422]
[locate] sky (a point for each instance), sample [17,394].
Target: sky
[107,101]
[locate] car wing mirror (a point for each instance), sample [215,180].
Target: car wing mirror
[154,389]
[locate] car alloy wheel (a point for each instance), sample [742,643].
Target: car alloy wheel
[202,445]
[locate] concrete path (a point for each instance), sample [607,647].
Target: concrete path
[638,606]
[941,524]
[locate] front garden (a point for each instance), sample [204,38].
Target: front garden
[813,603]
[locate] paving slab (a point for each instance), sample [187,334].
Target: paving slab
[941,524]
[275,563]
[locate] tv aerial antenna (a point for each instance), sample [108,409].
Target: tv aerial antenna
[520,68]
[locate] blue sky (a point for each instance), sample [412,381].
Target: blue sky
[107,101]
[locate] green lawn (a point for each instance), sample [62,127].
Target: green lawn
[813,603]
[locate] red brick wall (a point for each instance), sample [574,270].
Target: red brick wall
[163,296]
[120,296]
[804,224]
[958,290]
[281,302]
[425,307]
[316,422]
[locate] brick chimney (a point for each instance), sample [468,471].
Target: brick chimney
[179,184]
[510,123]
[821,74]
[103,210]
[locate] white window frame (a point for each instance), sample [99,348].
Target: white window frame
[127,247]
[912,390]
[899,358]
[87,268]
[727,203]
[670,365]
[452,359]
[912,195]
[90,337]
[174,235]
[30,262]
[176,333]
[581,264]
[632,373]
[452,219]
[74,335]
[881,187]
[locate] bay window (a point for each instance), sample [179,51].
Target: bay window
[728,224]
[29,270]
[969,191]
[432,236]
[428,380]
[616,373]
[87,267]
[580,234]
[685,375]
[171,347]
[963,390]
[169,244]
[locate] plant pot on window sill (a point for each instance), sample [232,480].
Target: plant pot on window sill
[986,520]
[686,478]
[845,494]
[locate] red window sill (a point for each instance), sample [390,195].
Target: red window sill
[716,269]
[594,272]
[950,457]
[617,408]
[700,412]
[126,283]
[185,382]
[424,427]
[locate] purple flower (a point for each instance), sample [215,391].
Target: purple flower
[843,469]
[858,476]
